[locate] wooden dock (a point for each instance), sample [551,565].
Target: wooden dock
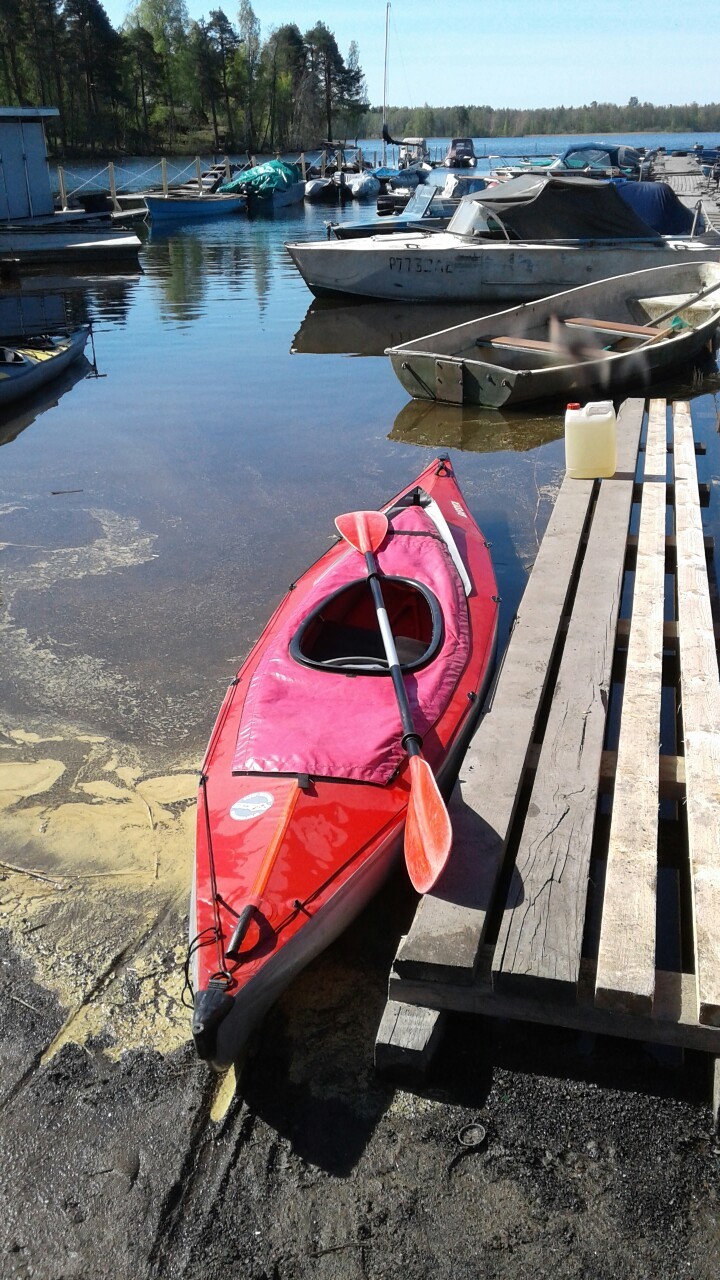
[684,174]
[584,885]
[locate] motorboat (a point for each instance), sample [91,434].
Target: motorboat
[460,154]
[526,238]
[359,186]
[449,186]
[587,159]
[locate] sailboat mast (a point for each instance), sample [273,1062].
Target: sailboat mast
[385,86]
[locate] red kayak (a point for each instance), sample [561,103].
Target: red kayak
[306,783]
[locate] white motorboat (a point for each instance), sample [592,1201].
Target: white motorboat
[362,186]
[524,239]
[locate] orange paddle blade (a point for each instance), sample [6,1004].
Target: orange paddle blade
[364,530]
[428,834]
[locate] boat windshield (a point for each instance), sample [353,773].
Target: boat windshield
[474,219]
[342,633]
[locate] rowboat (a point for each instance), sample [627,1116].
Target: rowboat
[523,239]
[28,366]
[178,207]
[616,333]
[308,780]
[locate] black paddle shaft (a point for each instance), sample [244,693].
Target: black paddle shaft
[411,738]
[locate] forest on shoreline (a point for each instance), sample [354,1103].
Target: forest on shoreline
[166,84]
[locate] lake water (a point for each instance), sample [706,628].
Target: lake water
[152,517]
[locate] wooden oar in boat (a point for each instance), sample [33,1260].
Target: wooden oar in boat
[674,311]
[428,833]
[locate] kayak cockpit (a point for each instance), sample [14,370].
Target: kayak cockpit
[342,634]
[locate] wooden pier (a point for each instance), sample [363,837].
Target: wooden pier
[584,885]
[684,174]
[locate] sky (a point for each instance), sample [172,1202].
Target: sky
[512,53]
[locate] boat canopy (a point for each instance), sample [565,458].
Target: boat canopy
[461,183]
[658,205]
[535,206]
[600,156]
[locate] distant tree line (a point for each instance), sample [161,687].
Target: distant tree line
[594,118]
[166,83]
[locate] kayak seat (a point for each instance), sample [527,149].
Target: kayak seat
[342,633]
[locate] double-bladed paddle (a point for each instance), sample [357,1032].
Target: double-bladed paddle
[428,834]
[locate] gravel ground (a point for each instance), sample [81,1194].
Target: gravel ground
[599,1160]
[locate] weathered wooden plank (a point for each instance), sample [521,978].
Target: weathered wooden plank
[408,1037]
[700,695]
[450,923]
[541,932]
[673,1020]
[671,772]
[626,958]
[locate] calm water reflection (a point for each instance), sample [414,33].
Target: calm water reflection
[228,430]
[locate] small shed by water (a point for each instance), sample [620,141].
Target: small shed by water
[25,190]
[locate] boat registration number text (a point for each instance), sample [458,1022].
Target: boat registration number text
[416,264]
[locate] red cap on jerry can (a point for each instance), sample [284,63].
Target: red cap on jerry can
[573,406]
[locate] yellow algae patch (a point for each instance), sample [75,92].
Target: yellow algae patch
[27,778]
[125,773]
[170,789]
[224,1093]
[91,737]
[137,1006]
[22,735]
[101,910]
[105,836]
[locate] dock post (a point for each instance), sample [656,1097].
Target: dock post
[228,170]
[323,161]
[113,188]
[303,166]
[61,186]
[163,170]
[198,172]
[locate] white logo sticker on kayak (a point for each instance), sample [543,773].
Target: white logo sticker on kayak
[252,806]
[459,510]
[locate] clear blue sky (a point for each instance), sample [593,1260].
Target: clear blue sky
[513,53]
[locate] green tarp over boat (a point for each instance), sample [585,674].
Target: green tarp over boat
[265,179]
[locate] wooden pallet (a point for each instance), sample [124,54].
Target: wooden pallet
[584,886]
